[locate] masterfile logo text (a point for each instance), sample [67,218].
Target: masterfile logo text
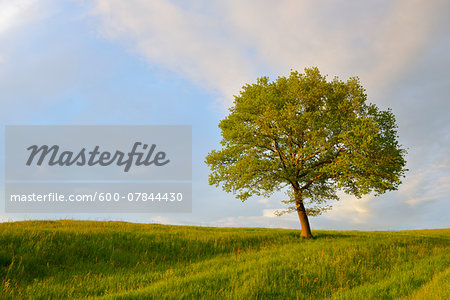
[98,169]
[91,158]
[98,153]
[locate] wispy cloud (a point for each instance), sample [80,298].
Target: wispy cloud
[351,210]
[222,45]
[287,221]
[14,12]
[183,40]
[263,201]
[427,184]
[165,220]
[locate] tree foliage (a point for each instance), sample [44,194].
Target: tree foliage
[313,135]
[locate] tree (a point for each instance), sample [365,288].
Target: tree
[314,136]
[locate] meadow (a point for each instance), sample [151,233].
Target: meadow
[119,260]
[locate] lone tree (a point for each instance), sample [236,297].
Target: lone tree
[309,134]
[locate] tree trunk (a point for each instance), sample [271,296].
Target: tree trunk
[301,211]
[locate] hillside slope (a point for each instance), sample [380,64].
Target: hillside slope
[61,259]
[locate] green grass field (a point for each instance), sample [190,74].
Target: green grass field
[84,259]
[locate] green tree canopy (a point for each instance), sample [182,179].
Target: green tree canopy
[315,136]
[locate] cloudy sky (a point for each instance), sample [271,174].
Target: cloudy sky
[160,62]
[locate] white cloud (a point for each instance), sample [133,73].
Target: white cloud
[15,18]
[165,220]
[6,219]
[426,185]
[270,213]
[263,201]
[222,45]
[184,41]
[375,40]
[286,221]
[15,12]
[351,210]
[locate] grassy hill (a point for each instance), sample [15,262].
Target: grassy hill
[61,259]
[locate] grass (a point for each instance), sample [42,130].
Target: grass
[118,260]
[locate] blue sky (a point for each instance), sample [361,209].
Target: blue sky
[177,62]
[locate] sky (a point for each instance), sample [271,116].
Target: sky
[137,62]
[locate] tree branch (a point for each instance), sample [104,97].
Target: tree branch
[279,154]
